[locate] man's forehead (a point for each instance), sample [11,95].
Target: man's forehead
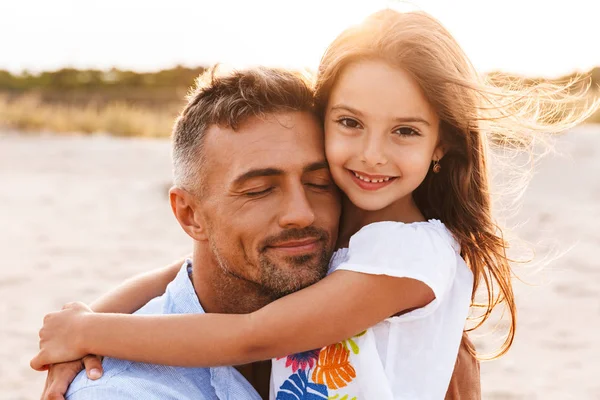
[287,142]
[282,125]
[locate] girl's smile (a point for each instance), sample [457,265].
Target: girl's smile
[371,182]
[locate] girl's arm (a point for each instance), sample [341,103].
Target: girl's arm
[132,294]
[336,308]
[128,297]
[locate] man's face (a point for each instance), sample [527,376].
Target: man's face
[270,207]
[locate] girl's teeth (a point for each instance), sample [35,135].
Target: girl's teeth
[362,178]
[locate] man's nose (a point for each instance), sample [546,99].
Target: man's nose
[297,211]
[373,154]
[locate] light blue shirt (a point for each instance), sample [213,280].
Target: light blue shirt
[131,380]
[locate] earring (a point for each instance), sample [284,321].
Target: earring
[436,166]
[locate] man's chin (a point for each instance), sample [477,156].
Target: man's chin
[292,274]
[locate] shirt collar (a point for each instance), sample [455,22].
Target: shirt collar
[183,299]
[181,293]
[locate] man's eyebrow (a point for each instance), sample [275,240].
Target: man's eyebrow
[398,119]
[254,173]
[316,166]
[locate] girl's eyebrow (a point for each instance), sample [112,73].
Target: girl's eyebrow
[344,107]
[418,120]
[414,120]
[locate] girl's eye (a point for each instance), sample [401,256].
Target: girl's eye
[407,131]
[348,122]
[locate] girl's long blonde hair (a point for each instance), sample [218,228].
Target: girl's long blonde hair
[474,113]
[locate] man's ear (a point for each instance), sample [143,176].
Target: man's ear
[187,210]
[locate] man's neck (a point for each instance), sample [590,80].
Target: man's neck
[219,291]
[258,374]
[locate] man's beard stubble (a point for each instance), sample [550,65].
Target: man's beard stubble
[301,271]
[278,282]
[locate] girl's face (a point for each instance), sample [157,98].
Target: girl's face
[381,134]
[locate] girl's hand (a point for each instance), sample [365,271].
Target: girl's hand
[60,336]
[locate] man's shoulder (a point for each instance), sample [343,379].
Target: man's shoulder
[84,388]
[130,380]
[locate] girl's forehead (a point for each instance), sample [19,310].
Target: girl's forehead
[374,86]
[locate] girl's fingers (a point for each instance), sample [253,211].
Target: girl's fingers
[37,364]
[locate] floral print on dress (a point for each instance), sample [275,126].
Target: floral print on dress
[334,369]
[303,361]
[316,373]
[298,387]
[350,343]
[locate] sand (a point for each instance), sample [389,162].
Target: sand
[79,214]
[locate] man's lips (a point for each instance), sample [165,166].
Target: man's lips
[297,246]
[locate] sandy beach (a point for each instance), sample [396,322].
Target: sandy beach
[79,214]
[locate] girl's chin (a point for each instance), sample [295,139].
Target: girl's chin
[369,204]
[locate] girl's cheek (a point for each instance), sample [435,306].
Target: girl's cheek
[338,155]
[335,150]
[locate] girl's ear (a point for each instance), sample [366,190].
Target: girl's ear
[188,212]
[439,152]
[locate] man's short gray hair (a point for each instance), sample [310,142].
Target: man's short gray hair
[228,100]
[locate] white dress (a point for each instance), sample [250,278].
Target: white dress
[411,356]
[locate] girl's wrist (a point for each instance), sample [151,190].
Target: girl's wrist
[83,329]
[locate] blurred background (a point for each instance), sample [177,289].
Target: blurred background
[88,94]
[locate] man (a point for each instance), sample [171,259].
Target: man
[240,137]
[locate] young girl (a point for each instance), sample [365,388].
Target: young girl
[406,120]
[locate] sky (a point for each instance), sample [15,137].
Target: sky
[530,37]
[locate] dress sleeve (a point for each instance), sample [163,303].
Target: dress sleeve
[422,251]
